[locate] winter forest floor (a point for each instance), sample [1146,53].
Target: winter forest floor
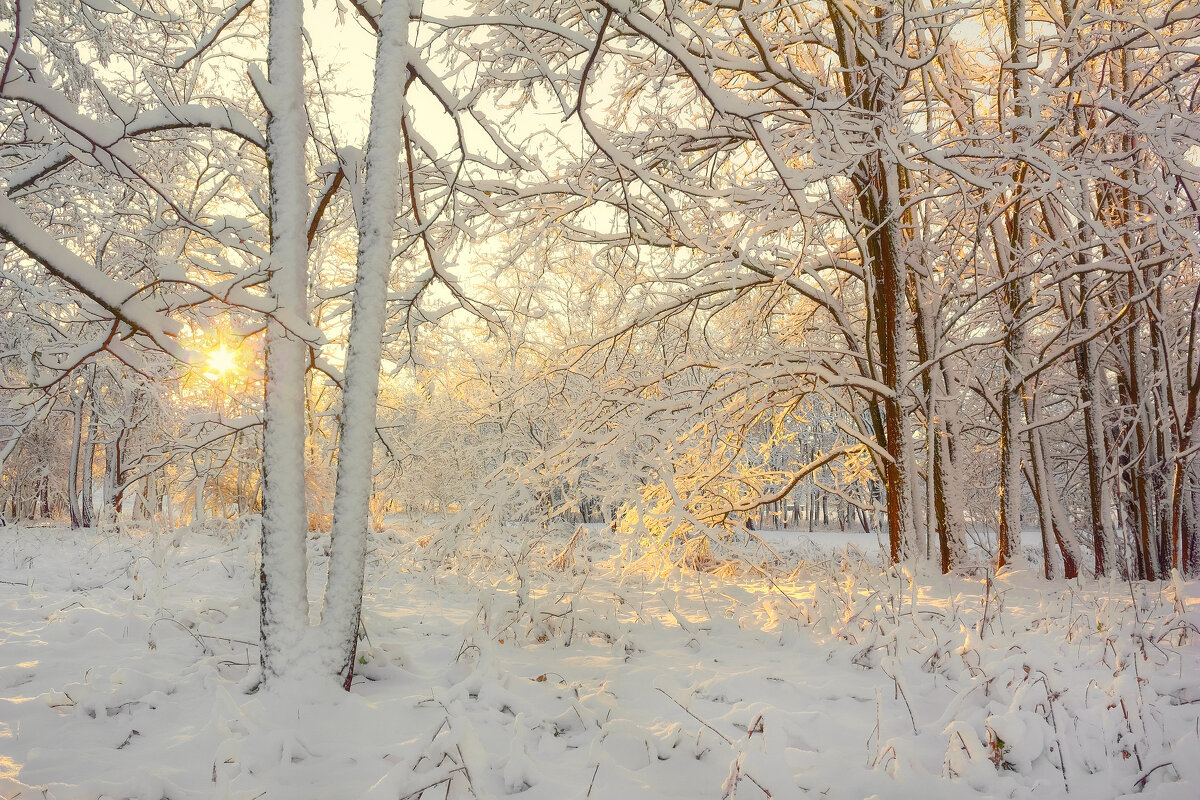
[124,662]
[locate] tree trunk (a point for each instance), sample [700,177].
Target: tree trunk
[283,592]
[952,535]
[1011,246]
[871,86]
[43,495]
[87,510]
[73,465]
[199,487]
[944,510]
[1087,355]
[1060,552]
[1186,525]
[1104,539]
[112,475]
[1183,532]
[1137,467]
[343,594]
[1011,406]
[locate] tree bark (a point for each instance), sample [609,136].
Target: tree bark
[87,506]
[343,594]
[1091,392]
[283,592]
[1010,247]
[73,464]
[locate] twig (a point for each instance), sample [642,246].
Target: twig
[206,556]
[900,690]
[427,787]
[728,741]
[12,54]
[1140,783]
[593,780]
[186,630]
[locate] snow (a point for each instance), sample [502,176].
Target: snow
[129,656]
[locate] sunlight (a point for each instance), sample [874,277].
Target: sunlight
[221,361]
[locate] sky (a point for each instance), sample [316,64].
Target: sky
[342,42]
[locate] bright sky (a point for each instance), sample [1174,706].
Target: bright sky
[344,44]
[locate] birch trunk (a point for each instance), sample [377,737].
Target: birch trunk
[343,594]
[283,592]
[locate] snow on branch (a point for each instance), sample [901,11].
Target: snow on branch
[117,297]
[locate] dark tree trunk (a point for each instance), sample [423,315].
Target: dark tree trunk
[73,464]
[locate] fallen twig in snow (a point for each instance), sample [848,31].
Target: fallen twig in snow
[741,773]
[1140,783]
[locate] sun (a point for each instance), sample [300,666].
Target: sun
[221,362]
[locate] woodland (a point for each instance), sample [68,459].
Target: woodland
[466,282]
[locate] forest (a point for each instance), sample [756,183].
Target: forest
[549,323]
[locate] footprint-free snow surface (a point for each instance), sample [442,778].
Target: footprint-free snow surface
[126,667]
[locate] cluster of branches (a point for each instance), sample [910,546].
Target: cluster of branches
[954,228]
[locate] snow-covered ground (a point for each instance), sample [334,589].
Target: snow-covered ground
[125,660]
